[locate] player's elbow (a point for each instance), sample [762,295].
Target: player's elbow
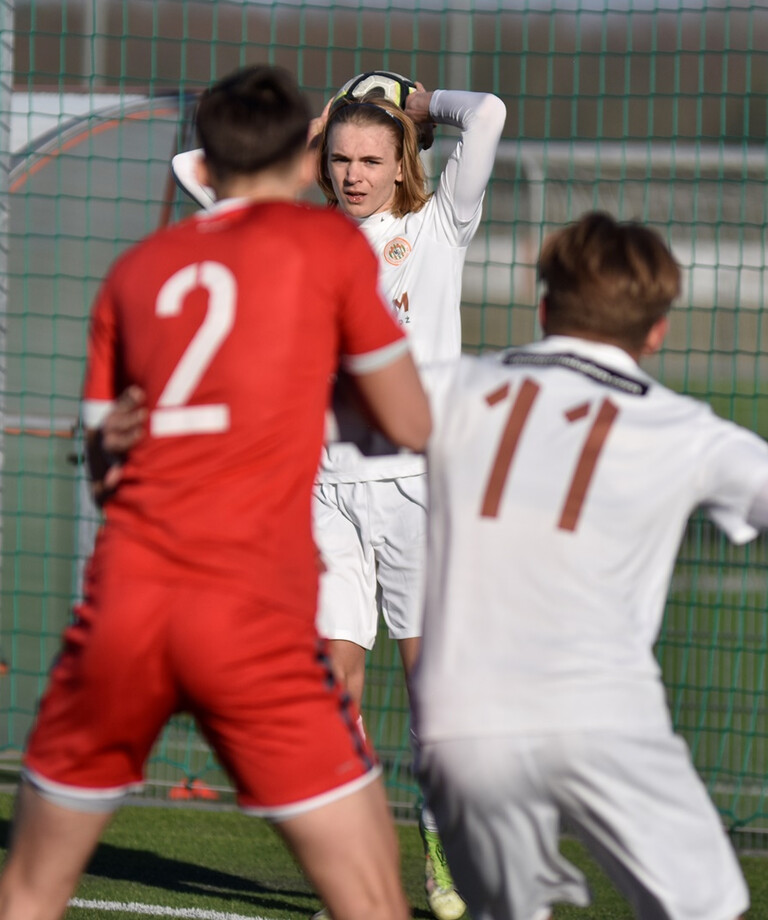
[493,111]
[412,427]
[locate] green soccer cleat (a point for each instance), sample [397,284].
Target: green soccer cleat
[443,899]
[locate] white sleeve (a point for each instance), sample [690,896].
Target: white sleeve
[374,360]
[736,479]
[183,167]
[480,118]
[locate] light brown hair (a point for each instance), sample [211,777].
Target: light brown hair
[607,280]
[411,193]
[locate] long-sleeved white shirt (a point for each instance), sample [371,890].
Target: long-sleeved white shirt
[421,258]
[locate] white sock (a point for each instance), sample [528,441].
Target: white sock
[428,819]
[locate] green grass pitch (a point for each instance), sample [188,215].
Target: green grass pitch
[186,861]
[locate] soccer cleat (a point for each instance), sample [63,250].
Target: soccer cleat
[443,899]
[322,914]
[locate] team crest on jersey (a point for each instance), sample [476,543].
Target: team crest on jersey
[397,250]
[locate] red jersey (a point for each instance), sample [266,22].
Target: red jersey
[233,323]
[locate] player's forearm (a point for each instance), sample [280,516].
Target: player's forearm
[471,113]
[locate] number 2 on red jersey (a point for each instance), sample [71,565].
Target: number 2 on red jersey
[513,432]
[173,415]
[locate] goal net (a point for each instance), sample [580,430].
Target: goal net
[656,112]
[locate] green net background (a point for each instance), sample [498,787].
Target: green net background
[656,111]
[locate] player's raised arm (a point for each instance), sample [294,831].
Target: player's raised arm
[480,117]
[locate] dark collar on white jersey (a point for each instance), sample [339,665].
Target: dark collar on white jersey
[606,376]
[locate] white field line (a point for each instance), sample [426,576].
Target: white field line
[157,910]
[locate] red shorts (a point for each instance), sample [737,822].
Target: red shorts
[148,643]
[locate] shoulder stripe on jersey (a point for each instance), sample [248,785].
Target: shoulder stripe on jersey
[597,372]
[374,360]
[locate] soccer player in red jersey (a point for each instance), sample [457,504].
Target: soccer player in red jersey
[222,333]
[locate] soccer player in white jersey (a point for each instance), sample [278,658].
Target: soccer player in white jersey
[561,480]
[370,501]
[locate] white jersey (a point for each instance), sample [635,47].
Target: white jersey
[421,258]
[561,479]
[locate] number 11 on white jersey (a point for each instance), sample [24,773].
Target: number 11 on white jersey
[518,414]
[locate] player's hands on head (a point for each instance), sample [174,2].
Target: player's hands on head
[317,125]
[417,104]
[417,109]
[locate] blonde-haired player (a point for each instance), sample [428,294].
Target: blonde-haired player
[561,479]
[370,500]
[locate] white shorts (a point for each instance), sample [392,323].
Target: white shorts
[372,540]
[637,803]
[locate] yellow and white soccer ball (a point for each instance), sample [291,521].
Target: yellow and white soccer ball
[373,83]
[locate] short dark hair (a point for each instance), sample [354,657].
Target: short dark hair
[607,279]
[255,118]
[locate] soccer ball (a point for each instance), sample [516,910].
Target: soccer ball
[386,85]
[381,83]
